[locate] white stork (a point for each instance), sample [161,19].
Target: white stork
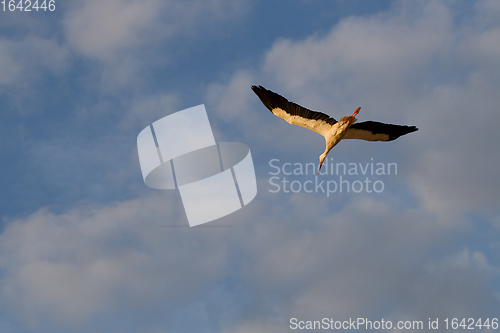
[332,130]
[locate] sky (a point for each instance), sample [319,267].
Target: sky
[85,245]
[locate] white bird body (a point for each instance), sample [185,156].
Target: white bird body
[333,131]
[335,134]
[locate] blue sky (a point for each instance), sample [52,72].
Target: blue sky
[81,245]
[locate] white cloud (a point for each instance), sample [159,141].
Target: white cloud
[367,260]
[68,268]
[125,39]
[230,102]
[295,255]
[122,37]
[147,109]
[417,64]
[103,29]
[363,59]
[288,256]
[22,61]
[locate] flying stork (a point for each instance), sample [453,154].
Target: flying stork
[332,130]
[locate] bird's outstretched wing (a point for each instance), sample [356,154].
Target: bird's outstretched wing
[294,113]
[375,131]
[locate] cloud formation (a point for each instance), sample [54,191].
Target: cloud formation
[412,252]
[103,29]
[417,64]
[75,265]
[21,61]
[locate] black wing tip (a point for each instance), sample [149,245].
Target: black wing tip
[258,88]
[267,97]
[402,130]
[392,130]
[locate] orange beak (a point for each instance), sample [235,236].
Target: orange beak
[355,113]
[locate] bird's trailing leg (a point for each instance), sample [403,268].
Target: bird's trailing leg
[355,113]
